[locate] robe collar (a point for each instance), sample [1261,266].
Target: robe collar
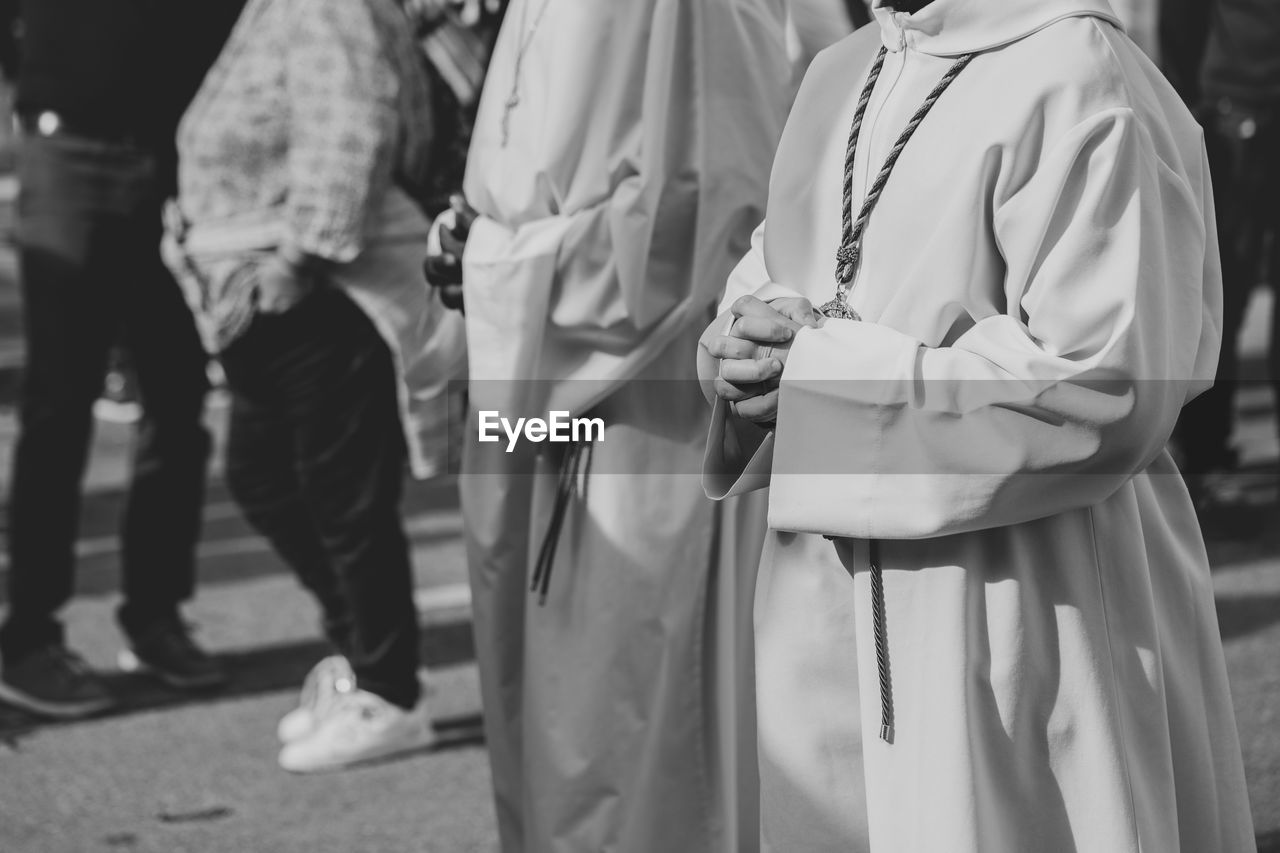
[953,27]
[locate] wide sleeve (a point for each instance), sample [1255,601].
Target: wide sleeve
[567,306]
[343,91]
[1049,406]
[605,272]
[610,265]
[647,207]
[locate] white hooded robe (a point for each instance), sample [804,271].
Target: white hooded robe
[635,168]
[1040,295]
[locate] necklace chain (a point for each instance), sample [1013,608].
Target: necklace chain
[850,251]
[513,99]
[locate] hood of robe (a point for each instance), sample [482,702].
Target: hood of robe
[954,27]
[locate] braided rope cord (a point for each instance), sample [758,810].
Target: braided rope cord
[846,266]
[882,642]
[844,259]
[851,239]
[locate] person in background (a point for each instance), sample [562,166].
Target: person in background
[620,156]
[456,37]
[1238,91]
[297,242]
[100,90]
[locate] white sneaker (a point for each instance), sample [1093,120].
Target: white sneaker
[361,726]
[326,681]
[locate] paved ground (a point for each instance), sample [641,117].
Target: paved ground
[175,773]
[196,773]
[180,773]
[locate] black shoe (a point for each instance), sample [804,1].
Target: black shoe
[54,682]
[166,650]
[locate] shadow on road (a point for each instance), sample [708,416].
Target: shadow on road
[264,670]
[1243,529]
[229,551]
[1239,616]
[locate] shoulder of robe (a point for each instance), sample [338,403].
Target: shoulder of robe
[841,65]
[1083,67]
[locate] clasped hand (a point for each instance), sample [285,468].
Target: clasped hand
[443,268]
[754,352]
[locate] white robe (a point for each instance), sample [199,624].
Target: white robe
[1041,294]
[636,167]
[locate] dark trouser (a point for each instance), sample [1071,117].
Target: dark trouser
[89,229]
[1242,143]
[316,460]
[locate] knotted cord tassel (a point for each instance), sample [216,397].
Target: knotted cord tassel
[846,263]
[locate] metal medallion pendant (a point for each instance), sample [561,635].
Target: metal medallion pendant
[839,309]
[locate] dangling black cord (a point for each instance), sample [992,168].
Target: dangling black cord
[571,467]
[550,539]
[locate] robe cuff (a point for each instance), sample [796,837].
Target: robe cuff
[491,243]
[508,280]
[860,362]
[487,242]
[841,383]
